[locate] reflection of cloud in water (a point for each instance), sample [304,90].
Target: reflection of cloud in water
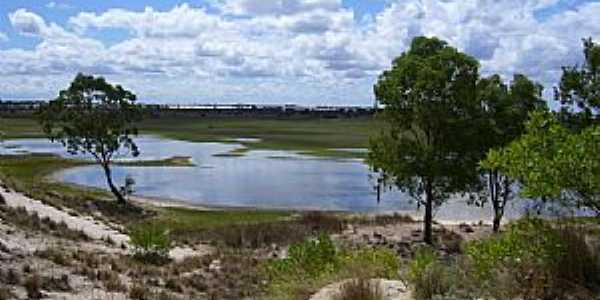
[291,181]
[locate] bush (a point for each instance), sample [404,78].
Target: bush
[428,275]
[311,258]
[138,292]
[314,264]
[537,260]
[529,240]
[151,244]
[33,286]
[360,289]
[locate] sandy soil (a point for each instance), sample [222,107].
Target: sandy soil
[93,228]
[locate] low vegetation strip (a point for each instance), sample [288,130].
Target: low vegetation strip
[175,161]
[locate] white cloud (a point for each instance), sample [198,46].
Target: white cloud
[3,37]
[27,23]
[250,47]
[273,7]
[58,5]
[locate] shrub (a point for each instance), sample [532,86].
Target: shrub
[151,244]
[529,240]
[360,289]
[538,260]
[311,258]
[316,263]
[370,263]
[33,286]
[580,264]
[138,292]
[428,275]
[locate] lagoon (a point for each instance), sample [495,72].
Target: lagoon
[258,179]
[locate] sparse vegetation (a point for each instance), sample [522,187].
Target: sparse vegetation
[151,244]
[360,289]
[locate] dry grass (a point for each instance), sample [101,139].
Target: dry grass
[360,289]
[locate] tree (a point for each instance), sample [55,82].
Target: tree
[505,111]
[96,118]
[429,99]
[553,162]
[579,88]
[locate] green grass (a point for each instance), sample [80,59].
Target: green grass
[175,161]
[185,219]
[318,137]
[20,128]
[310,136]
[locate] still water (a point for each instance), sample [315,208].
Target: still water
[261,179]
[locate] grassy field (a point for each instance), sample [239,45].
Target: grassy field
[310,136]
[19,128]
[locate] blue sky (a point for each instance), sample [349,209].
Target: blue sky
[274,51]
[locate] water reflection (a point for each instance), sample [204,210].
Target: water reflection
[263,179]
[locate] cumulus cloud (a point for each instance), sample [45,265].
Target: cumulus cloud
[27,23]
[282,45]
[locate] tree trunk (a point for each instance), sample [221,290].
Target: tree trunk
[494,189]
[427,230]
[112,186]
[497,220]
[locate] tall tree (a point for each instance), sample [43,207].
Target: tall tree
[579,88]
[429,99]
[505,111]
[553,162]
[96,118]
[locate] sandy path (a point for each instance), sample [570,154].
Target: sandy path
[93,228]
[90,226]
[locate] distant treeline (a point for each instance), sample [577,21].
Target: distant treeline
[28,109]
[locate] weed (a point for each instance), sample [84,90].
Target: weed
[151,244]
[428,275]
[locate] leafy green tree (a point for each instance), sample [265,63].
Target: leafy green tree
[96,118]
[579,88]
[505,111]
[429,99]
[553,162]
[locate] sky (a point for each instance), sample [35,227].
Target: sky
[308,52]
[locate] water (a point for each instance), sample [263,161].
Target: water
[262,179]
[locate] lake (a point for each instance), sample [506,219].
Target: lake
[260,179]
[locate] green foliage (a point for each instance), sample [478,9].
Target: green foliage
[552,162]
[428,276]
[505,111]
[531,241]
[430,101]
[313,264]
[579,88]
[93,117]
[151,243]
[311,258]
